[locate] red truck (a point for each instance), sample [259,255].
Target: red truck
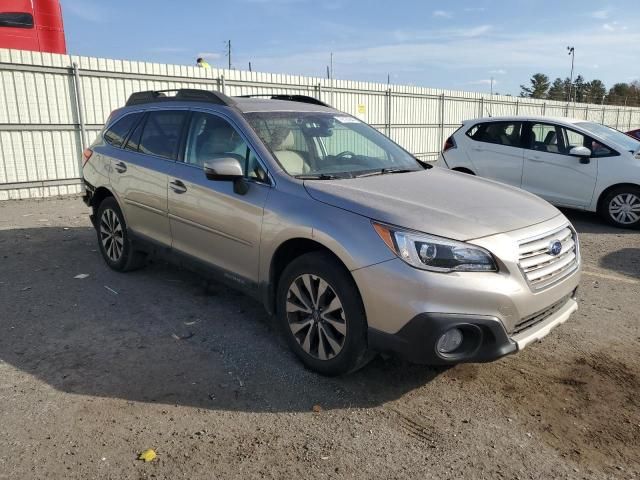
[32,25]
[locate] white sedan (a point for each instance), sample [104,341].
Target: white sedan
[570,163]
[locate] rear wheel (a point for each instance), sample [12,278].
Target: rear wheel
[621,207]
[321,313]
[113,238]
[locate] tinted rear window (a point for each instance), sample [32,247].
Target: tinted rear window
[162,132]
[16,20]
[501,133]
[116,134]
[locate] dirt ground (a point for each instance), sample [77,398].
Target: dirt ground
[95,370]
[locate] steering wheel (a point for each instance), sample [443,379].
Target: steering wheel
[344,154]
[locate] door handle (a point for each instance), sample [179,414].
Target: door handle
[177,186]
[120,167]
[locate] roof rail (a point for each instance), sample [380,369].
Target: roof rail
[290,98]
[181,94]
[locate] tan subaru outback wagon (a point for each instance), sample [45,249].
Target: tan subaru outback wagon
[353,244]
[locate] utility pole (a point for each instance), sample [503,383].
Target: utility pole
[572,52]
[229,53]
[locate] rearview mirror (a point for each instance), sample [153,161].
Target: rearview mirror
[580,152]
[223,168]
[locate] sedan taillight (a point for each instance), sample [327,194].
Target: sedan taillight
[86,155]
[449,144]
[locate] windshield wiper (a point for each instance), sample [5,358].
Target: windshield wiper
[319,176]
[384,171]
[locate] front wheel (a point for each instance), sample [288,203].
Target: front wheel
[621,207]
[321,312]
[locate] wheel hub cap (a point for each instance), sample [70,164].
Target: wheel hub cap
[316,317]
[625,208]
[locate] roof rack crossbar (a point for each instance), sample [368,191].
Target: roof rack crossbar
[290,98]
[181,94]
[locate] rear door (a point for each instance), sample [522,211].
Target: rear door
[495,152]
[209,220]
[553,174]
[139,176]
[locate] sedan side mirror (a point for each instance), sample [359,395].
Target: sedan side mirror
[583,152]
[226,169]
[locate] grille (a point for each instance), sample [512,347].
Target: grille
[538,317]
[542,269]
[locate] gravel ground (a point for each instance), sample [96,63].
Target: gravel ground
[95,370]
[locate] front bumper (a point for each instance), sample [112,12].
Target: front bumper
[409,309]
[485,338]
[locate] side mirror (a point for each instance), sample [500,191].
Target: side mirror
[222,168]
[583,152]
[226,169]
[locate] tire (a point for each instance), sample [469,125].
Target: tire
[113,238]
[330,343]
[621,207]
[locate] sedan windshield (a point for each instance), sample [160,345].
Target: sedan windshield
[608,133]
[327,146]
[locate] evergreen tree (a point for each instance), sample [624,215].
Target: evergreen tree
[539,86]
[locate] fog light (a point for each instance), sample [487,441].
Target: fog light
[449,341]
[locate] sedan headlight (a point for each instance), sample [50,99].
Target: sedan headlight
[435,253]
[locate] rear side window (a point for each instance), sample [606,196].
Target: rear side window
[116,133]
[162,132]
[16,20]
[501,133]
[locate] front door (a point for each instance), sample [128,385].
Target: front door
[209,220]
[553,174]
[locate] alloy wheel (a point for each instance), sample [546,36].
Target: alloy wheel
[625,208]
[316,316]
[111,234]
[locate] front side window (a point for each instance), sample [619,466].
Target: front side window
[501,133]
[610,134]
[576,139]
[212,137]
[328,144]
[16,20]
[116,133]
[162,131]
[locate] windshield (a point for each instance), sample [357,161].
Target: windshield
[327,145]
[608,133]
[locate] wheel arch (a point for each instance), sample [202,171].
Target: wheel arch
[611,188]
[284,254]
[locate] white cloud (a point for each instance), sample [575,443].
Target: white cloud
[614,27]
[601,14]
[484,81]
[444,34]
[210,55]
[499,71]
[442,14]
[474,9]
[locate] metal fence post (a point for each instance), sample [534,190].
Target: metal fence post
[441,121]
[77,91]
[481,107]
[222,85]
[617,119]
[630,115]
[566,110]
[319,91]
[517,106]
[544,109]
[602,122]
[388,112]
[586,113]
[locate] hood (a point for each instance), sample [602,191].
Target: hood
[436,201]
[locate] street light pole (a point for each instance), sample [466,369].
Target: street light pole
[572,52]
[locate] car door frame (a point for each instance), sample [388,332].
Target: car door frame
[207,268]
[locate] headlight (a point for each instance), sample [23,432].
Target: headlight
[435,253]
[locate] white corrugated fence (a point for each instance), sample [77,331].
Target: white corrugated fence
[51,105]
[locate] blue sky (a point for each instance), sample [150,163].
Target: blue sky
[456,44]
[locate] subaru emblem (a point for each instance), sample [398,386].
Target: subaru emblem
[555,247]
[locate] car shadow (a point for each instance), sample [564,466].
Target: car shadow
[160,334]
[625,261]
[589,222]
